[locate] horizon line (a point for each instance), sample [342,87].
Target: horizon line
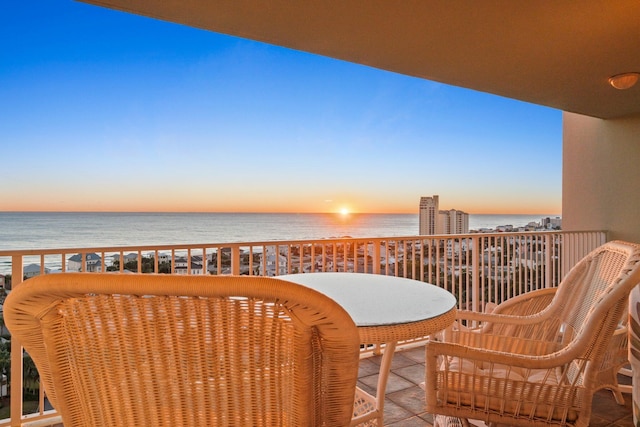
[260,213]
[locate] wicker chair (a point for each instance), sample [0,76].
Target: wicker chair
[614,359]
[134,350]
[540,369]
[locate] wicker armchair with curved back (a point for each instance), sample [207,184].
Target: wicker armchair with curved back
[538,369]
[614,359]
[134,349]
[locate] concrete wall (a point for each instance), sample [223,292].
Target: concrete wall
[601,175]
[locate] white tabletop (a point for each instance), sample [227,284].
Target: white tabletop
[377,300]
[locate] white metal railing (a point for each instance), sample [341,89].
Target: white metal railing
[477,268]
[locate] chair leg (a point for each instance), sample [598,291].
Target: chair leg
[622,388]
[617,393]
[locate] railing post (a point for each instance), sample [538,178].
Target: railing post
[16,353]
[235,260]
[475,278]
[376,256]
[549,250]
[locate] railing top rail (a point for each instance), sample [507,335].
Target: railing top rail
[181,246]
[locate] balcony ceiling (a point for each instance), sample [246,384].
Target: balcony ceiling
[556,53]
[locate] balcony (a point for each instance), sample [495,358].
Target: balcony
[478,268]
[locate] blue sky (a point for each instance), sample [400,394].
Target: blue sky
[106,111]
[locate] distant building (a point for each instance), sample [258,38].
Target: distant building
[453,222]
[429,215]
[183,266]
[273,262]
[434,221]
[93,262]
[130,257]
[33,270]
[552,223]
[164,257]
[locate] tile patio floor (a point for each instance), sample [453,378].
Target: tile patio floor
[404,405]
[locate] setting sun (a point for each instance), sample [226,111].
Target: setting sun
[344,211]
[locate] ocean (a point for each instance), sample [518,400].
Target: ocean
[48,230]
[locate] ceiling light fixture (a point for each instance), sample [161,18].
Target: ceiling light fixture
[624,81]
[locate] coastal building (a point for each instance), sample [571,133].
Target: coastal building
[551,223]
[453,222]
[429,215]
[130,257]
[273,262]
[166,257]
[434,221]
[33,270]
[93,263]
[183,266]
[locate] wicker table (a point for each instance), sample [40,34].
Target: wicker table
[387,310]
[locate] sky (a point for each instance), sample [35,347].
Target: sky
[106,111]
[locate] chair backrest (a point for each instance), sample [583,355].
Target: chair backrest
[141,349]
[603,274]
[525,304]
[590,304]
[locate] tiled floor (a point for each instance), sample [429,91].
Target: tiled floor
[404,405]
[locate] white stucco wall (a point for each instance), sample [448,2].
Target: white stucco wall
[601,175]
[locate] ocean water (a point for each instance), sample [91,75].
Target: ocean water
[46,230]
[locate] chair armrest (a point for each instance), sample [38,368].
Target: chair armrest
[435,351]
[527,303]
[467,315]
[469,328]
[523,305]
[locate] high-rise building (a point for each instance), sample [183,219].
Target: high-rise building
[434,221]
[429,215]
[453,222]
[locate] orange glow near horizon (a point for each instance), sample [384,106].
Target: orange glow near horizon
[485,210]
[225,201]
